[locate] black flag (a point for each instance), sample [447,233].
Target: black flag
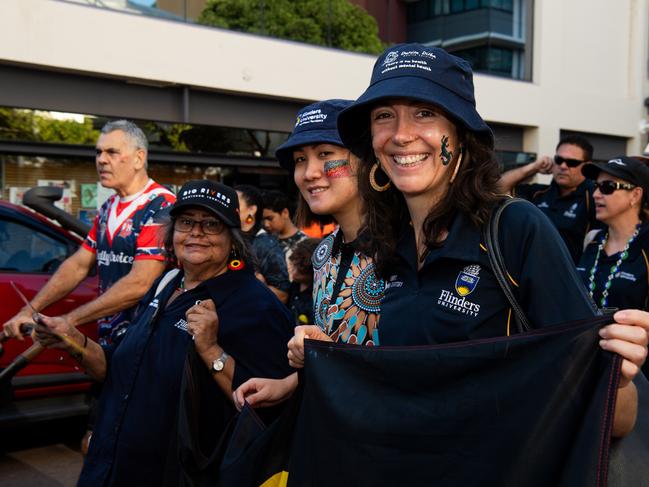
[534,409]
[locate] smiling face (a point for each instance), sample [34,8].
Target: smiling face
[621,204]
[326,177]
[118,161]
[414,143]
[196,249]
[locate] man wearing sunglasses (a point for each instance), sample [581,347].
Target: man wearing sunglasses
[568,200]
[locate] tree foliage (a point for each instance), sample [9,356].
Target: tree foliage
[28,125]
[335,23]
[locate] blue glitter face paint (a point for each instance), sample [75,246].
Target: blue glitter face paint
[446,156]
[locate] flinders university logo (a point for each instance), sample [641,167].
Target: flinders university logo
[465,284]
[467,280]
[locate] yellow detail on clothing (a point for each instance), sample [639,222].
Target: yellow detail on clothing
[646,263]
[512,279]
[280,479]
[509,320]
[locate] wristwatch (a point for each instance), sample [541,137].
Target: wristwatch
[219,364]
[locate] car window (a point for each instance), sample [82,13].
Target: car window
[24,249]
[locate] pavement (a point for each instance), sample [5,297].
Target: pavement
[46,466]
[42,454]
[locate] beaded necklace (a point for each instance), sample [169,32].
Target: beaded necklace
[181,286]
[614,268]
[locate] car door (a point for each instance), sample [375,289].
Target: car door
[31,249]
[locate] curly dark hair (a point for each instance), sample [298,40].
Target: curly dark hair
[239,243]
[301,256]
[473,193]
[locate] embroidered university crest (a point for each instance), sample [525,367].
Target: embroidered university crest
[467,280]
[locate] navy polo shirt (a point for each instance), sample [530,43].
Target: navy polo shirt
[136,427]
[573,215]
[630,284]
[455,296]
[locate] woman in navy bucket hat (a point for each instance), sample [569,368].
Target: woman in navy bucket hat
[429,185]
[346,291]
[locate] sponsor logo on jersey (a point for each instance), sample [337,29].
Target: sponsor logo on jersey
[106,258]
[127,228]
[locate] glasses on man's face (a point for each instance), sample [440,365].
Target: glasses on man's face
[558,160]
[210,226]
[609,187]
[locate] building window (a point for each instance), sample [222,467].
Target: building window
[495,36]
[489,59]
[427,9]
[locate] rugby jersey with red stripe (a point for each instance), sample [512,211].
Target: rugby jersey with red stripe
[125,230]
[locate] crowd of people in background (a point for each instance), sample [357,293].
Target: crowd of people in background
[407,173]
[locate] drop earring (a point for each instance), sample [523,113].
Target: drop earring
[235,263]
[249,219]
[457,166]
[373,183]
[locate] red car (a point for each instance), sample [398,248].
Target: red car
[31,248]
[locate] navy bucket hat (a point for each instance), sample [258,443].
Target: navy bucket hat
[416,72]
[314,124]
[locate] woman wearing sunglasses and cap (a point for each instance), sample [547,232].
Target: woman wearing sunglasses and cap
[346,291]
[430,184]
[615,264]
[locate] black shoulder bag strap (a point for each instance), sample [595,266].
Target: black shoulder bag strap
[490,234]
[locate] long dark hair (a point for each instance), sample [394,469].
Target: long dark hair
[473,193]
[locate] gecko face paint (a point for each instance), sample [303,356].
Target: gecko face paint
[338,169]
[446,156]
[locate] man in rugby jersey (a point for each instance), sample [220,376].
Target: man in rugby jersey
[123,243]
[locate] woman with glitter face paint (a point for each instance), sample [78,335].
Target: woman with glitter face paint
[346,291]
[417,125]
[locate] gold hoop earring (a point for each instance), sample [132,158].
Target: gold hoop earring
[457,167]
[372,178]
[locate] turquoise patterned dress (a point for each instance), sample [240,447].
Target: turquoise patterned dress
[346,292]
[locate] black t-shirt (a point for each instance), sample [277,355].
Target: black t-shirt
[630,284]
[455,296]
[573,215]
[300,304]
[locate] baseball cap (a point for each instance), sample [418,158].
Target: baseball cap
[417,72]
[629,169]
[315,123]
[209,195]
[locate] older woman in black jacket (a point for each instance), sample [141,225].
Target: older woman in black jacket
[212,312]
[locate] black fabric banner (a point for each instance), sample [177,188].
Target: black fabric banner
[534,409]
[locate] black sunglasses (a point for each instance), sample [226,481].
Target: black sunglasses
[609,187]
[558,160]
